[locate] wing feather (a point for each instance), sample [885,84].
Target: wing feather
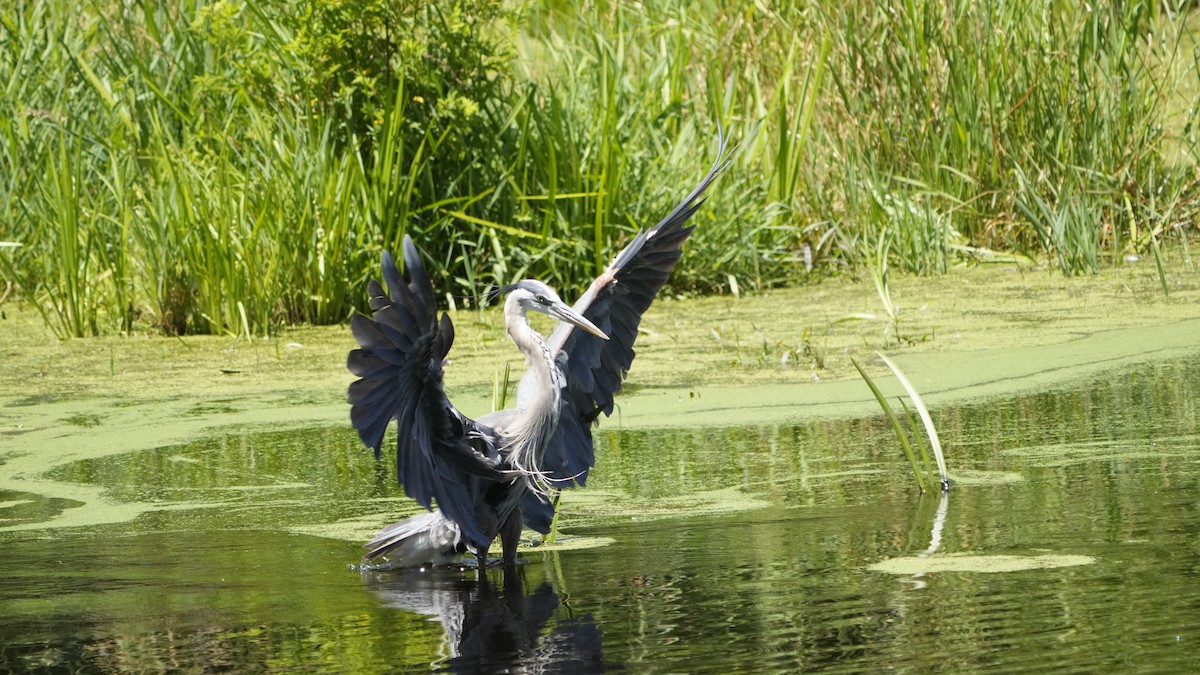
[399,363]
[615,302]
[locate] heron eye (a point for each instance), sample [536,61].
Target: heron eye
[541,300]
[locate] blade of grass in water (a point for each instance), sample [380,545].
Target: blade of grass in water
[901,435]
[500,388]
[1158,263]
[917,432]
[925,418]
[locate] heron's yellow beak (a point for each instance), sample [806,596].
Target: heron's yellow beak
[564,313]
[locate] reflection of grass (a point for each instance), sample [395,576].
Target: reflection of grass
[1068,454]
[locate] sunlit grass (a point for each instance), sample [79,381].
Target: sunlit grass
[173,167]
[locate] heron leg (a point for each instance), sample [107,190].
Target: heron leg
[510,536]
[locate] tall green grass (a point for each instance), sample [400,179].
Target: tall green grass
[231,167]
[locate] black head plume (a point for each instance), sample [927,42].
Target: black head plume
[493,294]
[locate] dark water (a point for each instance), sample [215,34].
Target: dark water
[224,580]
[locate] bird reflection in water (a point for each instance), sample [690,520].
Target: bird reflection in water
[490,629]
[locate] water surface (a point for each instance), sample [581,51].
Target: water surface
[759,548]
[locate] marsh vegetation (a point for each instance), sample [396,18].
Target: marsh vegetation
[234,167]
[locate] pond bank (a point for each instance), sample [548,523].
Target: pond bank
[979,331]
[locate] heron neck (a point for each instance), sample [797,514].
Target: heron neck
[538,418]
[533,346]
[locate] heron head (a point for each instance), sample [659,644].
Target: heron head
[533,295]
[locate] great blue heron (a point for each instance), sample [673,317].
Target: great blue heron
[488,475]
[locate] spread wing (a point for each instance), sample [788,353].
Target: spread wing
[614,302]
[399,363]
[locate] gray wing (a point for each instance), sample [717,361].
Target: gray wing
[399,363]
[615,302]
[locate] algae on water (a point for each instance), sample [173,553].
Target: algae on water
[983,564]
